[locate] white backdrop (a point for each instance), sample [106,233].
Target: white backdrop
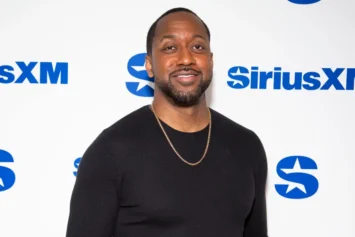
[46,127]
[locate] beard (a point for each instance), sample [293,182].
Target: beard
[183,98]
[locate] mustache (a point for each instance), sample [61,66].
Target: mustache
[185,69]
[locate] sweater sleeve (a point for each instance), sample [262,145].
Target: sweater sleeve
[256,223]
[94,201]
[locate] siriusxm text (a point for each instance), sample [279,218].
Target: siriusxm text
[53,73]
[277,79]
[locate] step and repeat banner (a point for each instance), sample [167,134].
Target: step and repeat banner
[283,68]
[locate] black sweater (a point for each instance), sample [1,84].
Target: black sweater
[130,183]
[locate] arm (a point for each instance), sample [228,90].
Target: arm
[94,201]
[256,224]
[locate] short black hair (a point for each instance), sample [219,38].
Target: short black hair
[151,32]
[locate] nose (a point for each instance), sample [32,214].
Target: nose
[185,57]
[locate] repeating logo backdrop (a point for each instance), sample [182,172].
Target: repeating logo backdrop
[7,175]
[136,67]
[284,69]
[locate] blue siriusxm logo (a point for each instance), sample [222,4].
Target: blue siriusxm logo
[327,79]
[48,73]
[76,165]
[136,67]
[7,175]
[304,2]
[297,170]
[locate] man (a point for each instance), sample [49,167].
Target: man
[186,171]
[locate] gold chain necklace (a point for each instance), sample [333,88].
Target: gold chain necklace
[208,139]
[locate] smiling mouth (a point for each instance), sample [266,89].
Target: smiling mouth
[186,75]
[187,79]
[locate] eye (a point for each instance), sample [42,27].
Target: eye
[198,47]
[169,48]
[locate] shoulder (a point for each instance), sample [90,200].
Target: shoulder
[233,130]
[240,140]
[130,125]
[104,156]
[122,134]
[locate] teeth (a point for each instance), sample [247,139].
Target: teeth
[185,75]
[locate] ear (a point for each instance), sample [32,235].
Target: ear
[149,66]
[212,59]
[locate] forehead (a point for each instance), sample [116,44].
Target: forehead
[180,23]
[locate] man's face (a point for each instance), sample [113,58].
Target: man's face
[181,60]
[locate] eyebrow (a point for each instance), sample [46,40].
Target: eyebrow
[174,36]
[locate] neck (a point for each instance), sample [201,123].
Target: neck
[184,119]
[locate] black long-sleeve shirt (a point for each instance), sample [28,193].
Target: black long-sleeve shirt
[130,183]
